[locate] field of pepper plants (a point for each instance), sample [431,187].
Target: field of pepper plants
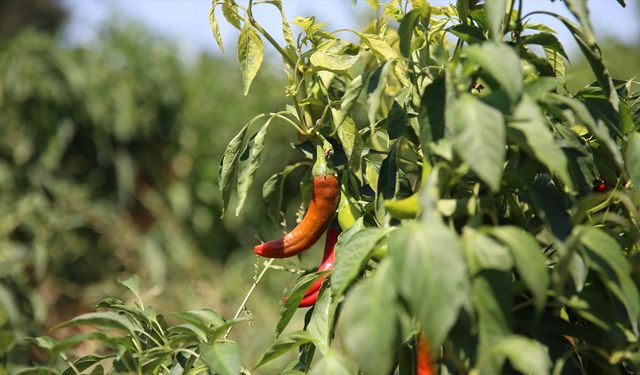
[429,194]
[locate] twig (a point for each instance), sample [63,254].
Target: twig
[267,265]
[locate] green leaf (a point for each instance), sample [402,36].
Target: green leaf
[102,320]
[431,116]
[495,11]
[429,272]
[273,190]
[388,177]
[405,31]
[502,63]
[479,138]
[632,159]
[335,364]
[215,28]
[250,55]
[44,342]
[468,33]
[368,322]
[580,10]
[597,128]
[592,53]
[606,257]
[396,121]
[249,162]
[332,55]
[7,339]
[547,40]
[229,164]
[294,297]
[557,62]
[483,252]
[526,356]
[205,319]
[351,140]
[378,82]
[350,97]
[352,254]
[222,357]
[84,363]
[530,262]
[285,344]
[529,130]
[492,297]
[320,324]
[133,284]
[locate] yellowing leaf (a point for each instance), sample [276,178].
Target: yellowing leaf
[250,55]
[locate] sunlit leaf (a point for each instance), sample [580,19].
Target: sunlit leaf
[351,254]
[502,63]
[222,357]
[250,55]
[479,138]
[285,344]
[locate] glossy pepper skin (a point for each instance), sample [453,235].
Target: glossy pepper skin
[423,357]
[329,258]
[324,201]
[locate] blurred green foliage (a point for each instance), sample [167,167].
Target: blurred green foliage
[108,163]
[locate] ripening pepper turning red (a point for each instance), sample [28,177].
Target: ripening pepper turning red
[324,201]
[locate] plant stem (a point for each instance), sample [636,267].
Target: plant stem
[267,265]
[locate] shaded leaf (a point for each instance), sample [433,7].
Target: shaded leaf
[405,31]
[529,130]
[229,164]
[632,159]
[529,260]
[249,162]
[360,325]
[429,272]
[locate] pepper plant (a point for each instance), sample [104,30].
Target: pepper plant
[486,209]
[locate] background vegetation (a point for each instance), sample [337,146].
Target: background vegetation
[108,161]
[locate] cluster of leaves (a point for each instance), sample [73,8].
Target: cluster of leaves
[137,340]
[471,166]
[107,166]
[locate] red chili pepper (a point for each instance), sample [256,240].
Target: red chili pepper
[328,259]
[600,187]
[324,201]
[423,356]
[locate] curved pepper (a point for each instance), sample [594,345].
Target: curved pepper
[324,201]
[329,258]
